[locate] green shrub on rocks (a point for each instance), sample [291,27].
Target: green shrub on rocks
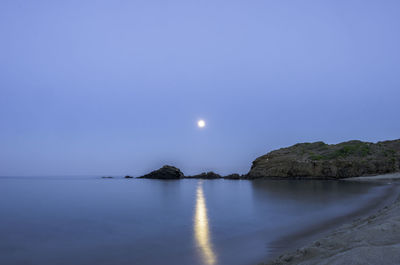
[320,160]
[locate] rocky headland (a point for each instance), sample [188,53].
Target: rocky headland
[311,160]
[335,161]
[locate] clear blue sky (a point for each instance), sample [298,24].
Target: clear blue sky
[116,87]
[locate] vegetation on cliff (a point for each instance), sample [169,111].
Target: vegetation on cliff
[320,160]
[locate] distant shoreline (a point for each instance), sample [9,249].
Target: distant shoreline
[387,176]
[316,160]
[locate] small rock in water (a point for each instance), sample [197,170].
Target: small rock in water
[206,175]
[233,176]
[166,172]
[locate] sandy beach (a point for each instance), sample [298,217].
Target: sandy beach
[369,240]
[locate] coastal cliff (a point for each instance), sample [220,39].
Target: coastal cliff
[320,160]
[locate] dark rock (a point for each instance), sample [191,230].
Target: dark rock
[233,176]
[107,177]
[206,175]
[128,177]
[166,172]
[320,160]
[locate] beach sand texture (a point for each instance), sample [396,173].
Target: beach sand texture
[371,240]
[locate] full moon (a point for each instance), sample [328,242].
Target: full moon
[201,123]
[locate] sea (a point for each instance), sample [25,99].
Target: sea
[90,220]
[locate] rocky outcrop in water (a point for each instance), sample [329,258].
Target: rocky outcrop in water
[170,172]
[206,175]
[166,172]
[320,160]
[233,176]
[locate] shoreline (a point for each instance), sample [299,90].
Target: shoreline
[371,236]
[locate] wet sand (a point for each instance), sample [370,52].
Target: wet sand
[372,239]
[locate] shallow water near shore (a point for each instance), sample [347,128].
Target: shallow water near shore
[88,220]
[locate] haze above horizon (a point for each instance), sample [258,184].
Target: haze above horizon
[118,87]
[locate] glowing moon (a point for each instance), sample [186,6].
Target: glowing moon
[201,123]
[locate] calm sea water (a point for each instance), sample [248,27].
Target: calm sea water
[78,221]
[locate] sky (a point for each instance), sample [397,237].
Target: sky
[117,87]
